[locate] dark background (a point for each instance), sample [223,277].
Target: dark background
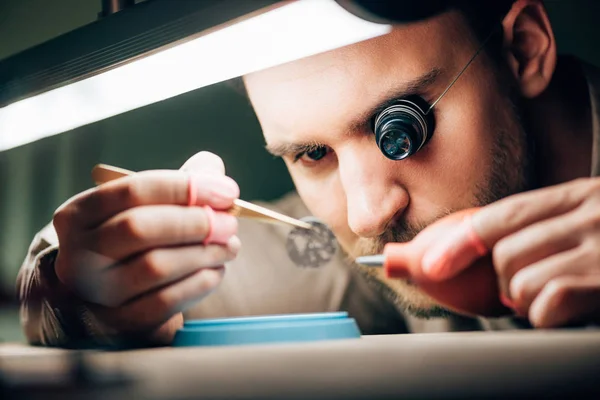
[35,179]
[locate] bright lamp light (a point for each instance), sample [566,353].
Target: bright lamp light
[292,31]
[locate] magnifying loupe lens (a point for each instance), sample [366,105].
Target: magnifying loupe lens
[396,144]
[403,128]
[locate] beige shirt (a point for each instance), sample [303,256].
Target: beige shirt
[262,280]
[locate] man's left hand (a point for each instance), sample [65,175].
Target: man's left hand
[546,252]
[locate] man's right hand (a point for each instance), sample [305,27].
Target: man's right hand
[133,249]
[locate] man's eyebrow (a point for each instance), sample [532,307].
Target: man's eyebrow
[415,86]
[286,149]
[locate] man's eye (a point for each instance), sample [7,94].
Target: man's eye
[317,154]
[313,154]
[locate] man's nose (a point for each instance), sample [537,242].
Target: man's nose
[374,194]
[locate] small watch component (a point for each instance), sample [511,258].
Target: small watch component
[311,248]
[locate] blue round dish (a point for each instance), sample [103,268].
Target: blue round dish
[267,329]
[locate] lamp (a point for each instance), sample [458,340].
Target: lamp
[199,44]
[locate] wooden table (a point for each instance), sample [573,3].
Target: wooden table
[450,365]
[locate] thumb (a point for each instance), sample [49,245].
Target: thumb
[460,247]
[204,161]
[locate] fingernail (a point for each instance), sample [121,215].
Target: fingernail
[234,244]
[224,226]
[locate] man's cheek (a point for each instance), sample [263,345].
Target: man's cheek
[323,200]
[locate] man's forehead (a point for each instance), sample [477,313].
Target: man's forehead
[312,93]
[414,40]
[366,54]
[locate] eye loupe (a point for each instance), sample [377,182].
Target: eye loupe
[403,128]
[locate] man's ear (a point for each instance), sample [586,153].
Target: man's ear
[531,46]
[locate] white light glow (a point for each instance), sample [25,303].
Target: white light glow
[293,31]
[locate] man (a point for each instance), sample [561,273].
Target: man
[128,257]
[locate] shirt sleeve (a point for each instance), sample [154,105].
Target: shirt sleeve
[50,315]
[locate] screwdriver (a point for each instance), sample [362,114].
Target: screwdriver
[473,292]
[453,233]
[394,260]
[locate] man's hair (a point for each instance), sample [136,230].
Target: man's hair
[483,16]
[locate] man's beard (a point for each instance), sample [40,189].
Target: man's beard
[511,172]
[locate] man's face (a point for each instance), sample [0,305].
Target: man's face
[316,114]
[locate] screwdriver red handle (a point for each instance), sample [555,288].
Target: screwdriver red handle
[474,291]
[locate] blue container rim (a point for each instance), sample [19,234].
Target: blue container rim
[266,319]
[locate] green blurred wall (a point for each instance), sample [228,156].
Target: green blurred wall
[36,178]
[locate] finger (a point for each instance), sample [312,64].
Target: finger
[482,229]
[500,219]
[204,161]
[155,308]
[532,244]
[567,300]
[154,269]
[456,250]
[79,269]
[146,188]
[527,283]
[145,228]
